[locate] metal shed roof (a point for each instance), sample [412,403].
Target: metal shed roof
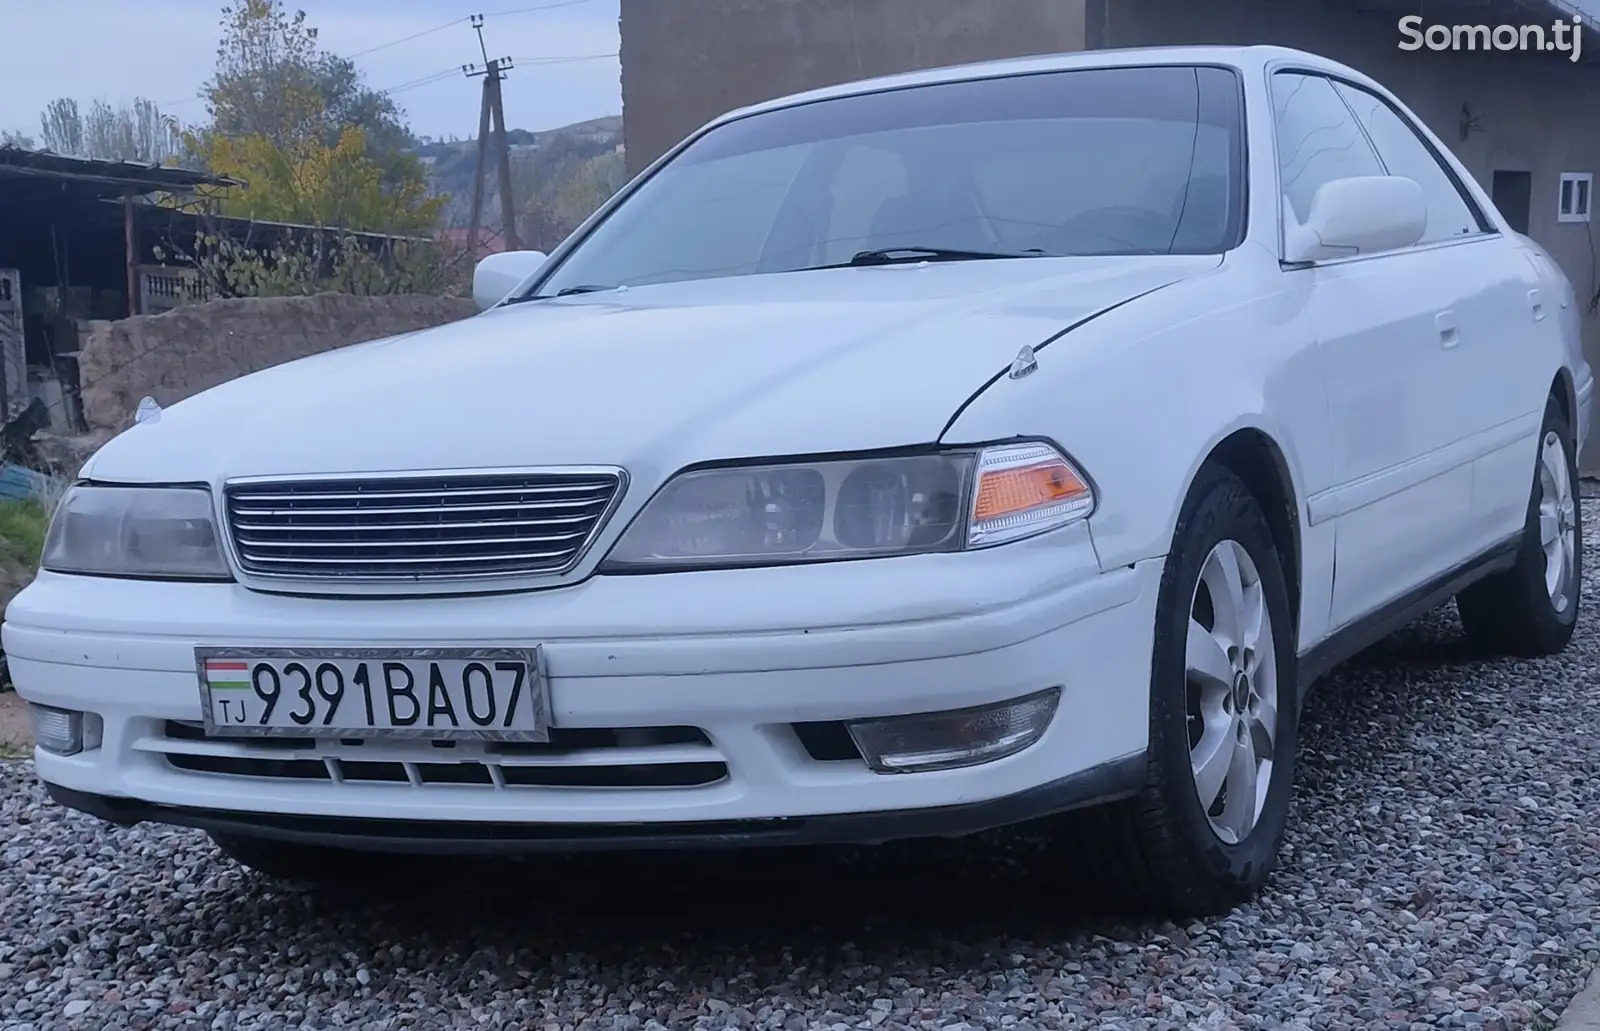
[92,177]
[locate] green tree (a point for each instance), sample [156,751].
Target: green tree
[285,114]
[265,84]
[310,183]
[273,79]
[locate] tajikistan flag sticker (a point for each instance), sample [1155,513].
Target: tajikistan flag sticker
[228,675]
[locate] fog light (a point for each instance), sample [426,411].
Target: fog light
[63,731]
[960,737]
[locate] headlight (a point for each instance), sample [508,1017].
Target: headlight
[853,508]
[156,532]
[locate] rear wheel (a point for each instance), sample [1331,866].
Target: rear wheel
[1203,834]
[1531,609]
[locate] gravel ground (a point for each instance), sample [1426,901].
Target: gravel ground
[1443,870]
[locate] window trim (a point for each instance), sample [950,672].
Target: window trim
[559,254]
[1493,231]
[1272,74]
[1588,208]
[1485,225]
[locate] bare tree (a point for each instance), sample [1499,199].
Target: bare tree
[61,126]
[133,132]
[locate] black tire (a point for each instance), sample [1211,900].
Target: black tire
[292,861]
[1512,612]
[1157,852]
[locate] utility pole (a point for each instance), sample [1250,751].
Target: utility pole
[491,119]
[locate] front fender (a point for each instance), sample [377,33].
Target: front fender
[1142,396]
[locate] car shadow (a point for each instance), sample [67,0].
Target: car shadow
[998,883]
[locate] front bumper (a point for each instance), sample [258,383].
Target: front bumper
[745,659]
[1117,779]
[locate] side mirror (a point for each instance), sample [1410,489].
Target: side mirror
[1360,215]
[499,274]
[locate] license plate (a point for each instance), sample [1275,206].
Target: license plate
[481,694]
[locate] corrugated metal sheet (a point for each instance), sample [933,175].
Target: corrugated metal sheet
[19,483]
[13,353]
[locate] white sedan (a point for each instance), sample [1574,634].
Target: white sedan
[901,459]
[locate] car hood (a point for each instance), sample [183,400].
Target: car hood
[650,378]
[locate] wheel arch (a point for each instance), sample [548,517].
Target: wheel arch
[1566,394]
[1252,454]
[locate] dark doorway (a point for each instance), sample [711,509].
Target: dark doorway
[1513,195]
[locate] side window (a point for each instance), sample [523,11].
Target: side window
[1318,138]
[1405,153]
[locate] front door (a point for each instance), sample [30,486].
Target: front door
[1387,335]
[1498,314]
[1402,462]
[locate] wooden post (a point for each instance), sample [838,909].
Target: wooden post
[478,174]
[508,207]
[130,242]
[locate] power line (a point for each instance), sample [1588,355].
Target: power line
[447,73]
[404,39]
[460,21]
[406,87]
[450,73]
[418,35]
[541,7]
[565,59]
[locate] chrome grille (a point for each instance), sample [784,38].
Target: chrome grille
[421,527]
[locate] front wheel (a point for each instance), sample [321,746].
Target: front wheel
[1531,609]
[1203,834]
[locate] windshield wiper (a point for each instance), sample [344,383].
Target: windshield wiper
[896,255]
[568,291]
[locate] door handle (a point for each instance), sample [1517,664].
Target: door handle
[1445,322]
[1536,299]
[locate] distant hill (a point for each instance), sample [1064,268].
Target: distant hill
[558,177]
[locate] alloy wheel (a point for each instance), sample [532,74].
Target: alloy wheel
[1557,522]
[1232,691]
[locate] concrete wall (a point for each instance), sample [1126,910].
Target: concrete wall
[685,62]
[187,350]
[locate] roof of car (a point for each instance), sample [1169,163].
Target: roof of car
[1236,57]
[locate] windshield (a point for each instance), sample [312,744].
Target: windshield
[1092,162]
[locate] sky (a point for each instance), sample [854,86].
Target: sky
[163,50]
